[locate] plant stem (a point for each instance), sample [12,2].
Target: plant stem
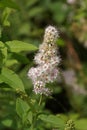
[40,100]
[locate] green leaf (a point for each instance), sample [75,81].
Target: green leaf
[8,3]
[74,116]
[18,46]
[7,122]
[21,58]
[11,62]
[81,124]
[30,117]
[21,107]
[54,120]
[1,44]
[12,79]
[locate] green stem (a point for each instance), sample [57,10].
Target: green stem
[40,100]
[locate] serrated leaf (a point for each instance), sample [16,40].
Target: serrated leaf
[18,46]
[54,120]
[12,79]
[8,3]
[21,107]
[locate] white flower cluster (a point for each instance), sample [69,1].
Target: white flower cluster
[47,61]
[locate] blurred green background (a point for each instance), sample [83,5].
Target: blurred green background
[25,20]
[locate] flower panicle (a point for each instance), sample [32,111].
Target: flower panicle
[47,62]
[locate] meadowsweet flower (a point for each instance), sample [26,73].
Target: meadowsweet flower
[47,62]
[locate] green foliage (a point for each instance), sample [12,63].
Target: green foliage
[81,124]
[12,79]
[7,122]
[55,121]
[20,108]
[18,46]
[8,3]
